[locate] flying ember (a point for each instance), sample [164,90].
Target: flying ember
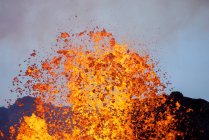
[101,89]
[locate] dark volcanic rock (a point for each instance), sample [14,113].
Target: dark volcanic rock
[11,116]
[193,115]
[26,106]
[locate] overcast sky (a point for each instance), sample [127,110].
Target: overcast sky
[175,31]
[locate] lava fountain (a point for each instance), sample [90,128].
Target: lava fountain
[102,89]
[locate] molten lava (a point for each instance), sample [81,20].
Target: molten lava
[111,91]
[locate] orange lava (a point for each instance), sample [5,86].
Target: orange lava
[111,90]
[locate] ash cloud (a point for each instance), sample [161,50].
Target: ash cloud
[20,19]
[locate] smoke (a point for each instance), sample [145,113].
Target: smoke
[37,18]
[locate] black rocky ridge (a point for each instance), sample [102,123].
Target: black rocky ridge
[194,123]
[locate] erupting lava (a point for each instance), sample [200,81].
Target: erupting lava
[105,90]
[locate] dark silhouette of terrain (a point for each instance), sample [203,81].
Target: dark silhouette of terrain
[26,106]
[10,116]
[193,115]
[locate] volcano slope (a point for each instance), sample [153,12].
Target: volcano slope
[192,116]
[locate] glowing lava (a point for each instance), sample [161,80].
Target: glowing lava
[112,91]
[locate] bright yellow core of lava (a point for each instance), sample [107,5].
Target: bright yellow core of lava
[103,82]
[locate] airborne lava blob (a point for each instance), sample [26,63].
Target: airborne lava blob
[109,90]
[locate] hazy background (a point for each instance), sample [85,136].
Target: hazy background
[175,31]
